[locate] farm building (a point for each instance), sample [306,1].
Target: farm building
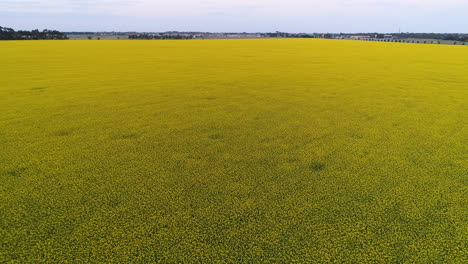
[360,37]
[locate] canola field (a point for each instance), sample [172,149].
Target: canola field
[233,151]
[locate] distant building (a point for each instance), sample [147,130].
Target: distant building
[388,37]
[360,37]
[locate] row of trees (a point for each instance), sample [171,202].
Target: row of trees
[414,41]
[159,36]
[441,36]
[11,34]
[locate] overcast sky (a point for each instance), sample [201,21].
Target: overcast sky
[237,15]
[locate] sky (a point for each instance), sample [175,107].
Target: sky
[237,15]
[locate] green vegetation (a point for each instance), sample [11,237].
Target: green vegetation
[233,151]
[11,34]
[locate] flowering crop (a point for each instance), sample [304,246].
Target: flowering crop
[233,151]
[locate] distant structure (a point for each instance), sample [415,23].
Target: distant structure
[388,37]
[360,37]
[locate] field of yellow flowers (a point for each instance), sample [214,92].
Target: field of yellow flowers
[233,151]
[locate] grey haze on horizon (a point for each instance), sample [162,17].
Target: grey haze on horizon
[237,15]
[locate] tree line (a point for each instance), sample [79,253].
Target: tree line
[10,34]
[439,36]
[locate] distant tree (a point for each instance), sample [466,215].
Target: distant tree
[90,38]
[7,33]
[10,34]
